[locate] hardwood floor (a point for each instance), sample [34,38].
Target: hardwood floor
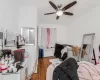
[43,64]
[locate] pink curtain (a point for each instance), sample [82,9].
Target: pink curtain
[48,37]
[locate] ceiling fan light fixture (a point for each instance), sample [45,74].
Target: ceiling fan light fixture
[59,13]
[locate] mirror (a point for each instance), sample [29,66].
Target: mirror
[10,39]
[87,47]
[29,35]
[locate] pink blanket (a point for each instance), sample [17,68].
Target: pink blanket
[88,71]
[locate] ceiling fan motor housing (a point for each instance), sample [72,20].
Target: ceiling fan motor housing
[59,6]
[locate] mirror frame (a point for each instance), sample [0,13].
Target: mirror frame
[92,44]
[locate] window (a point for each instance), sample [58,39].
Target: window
[28,34]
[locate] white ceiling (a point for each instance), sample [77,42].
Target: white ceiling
[82,7]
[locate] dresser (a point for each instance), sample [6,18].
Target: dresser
[20,75]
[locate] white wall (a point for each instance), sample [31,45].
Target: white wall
[13,16]
[89,23]
[8,14]
[9,10]
[28,18]
[61,31]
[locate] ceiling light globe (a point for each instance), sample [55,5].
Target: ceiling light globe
[59,13]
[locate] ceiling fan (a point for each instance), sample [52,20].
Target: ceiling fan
[61,11]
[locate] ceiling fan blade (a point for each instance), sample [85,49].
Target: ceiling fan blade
[53,5]
[57,17]
[68,13]
[49,13]
[69,5]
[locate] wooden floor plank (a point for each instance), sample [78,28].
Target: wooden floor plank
[43,64]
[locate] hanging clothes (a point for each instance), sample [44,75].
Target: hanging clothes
[48,37]
[75,50]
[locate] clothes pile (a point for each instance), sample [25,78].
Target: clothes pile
[59,53]
[66,70]
[70,70]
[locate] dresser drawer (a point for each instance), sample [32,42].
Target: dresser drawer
[11,77]
[0,76]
